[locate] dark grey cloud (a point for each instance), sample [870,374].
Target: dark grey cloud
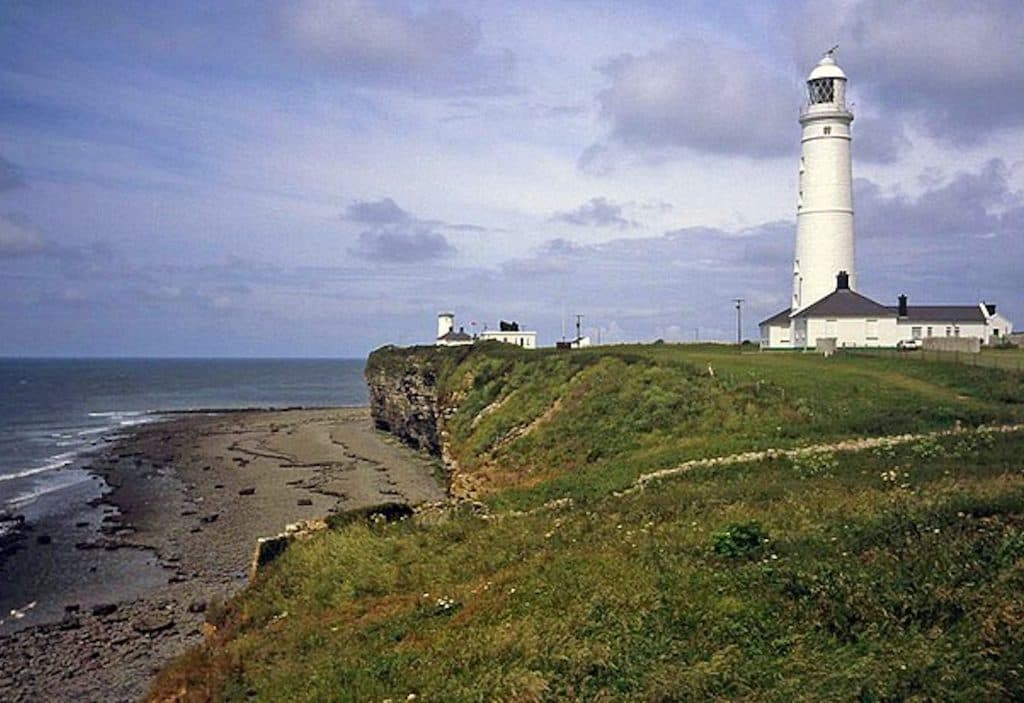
[958,241]
[596,212]
[396,45]
[966,206]
[19,237]
[376,212]
[395,236]
[699,96]
[662,286]
[402,245]
[10,176]
[879,140]
[950,67]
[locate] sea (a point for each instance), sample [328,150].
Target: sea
[55,413]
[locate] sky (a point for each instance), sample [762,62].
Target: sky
[318,178]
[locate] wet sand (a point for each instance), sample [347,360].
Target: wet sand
[122,587]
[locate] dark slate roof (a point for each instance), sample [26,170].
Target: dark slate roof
[777,319]
[943,313]
[844,302]
[453,336]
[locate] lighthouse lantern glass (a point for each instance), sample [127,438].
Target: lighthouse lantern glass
[821,90]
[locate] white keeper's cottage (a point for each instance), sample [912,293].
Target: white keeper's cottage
[507,332]
[825,304]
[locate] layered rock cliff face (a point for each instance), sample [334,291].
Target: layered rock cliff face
[405,399]
[405,404]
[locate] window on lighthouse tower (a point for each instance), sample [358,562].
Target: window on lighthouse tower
[821,90]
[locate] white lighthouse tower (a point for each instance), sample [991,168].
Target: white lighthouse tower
[824,221]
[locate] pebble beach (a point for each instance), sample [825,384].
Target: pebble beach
[93,607]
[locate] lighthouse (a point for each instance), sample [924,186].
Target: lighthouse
[824,211]
[826,312]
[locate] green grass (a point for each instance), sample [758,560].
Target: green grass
[624,410]
[888,574]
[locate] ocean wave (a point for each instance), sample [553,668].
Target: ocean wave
[22,499]
[117,414]
[57,461]
[93,431]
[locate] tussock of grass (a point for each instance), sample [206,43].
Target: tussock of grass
[887,574]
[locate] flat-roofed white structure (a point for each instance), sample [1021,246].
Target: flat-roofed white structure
[521,338]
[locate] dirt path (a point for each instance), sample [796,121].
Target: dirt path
[846,445]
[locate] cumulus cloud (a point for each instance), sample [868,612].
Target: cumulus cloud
[957,241]
[597,212]
[879,140]
[402,246]
[394,235]
[376,212]
[700,96]
[681,279]
[966,205]
[19,237]
[947,63]
[390,43]
[10,176]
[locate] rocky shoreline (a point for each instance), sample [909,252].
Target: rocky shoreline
[107,600]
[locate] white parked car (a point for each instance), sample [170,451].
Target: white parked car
[909,344]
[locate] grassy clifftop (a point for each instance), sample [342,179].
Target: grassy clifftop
[531,426]
[882,573]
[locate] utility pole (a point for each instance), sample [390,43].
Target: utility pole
[739,322]
[579,328]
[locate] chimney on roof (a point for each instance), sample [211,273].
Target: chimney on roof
[903,306]
[842,281]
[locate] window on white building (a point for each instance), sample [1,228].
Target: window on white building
[871,329]
[949,331]
[929,331]
[830,328]
[956,330]
[828,131]
[915,332]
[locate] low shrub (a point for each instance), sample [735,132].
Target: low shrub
[740,540]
